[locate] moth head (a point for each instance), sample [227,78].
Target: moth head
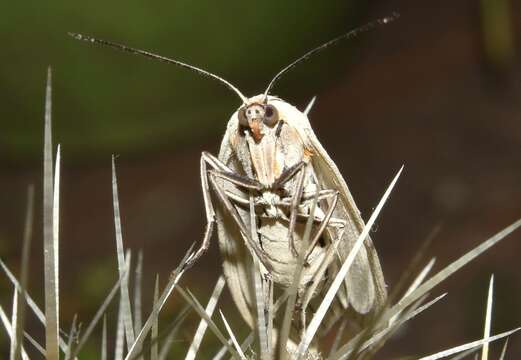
[256,116]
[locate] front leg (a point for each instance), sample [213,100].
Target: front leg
[221,170]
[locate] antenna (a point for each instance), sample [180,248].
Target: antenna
[160,58]
[348,35]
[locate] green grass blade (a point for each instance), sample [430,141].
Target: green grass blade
[125,297]
[339,279]
[470,345]
[488,318]
[203,325]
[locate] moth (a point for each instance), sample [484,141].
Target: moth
[270,177]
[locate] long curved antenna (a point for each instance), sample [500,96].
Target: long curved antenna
[160,58]
[348,35]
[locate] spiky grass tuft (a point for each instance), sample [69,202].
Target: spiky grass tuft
[131,333]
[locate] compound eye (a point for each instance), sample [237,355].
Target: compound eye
[243,120]
[271,115]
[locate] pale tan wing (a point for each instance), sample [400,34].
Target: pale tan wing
[237,260]
[365,281]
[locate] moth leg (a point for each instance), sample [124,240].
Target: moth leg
[294,210]
[210,213]
[251,244]
[323,226]
[288,174]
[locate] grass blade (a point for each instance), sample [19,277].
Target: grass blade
[35,343]
[14,322]
[169,340]
[203,325]
[449,270]
[337,282]
[504,350]
[72,335]
[154,351]
[310,105]
[138,282]
[50,237]
[232,336]
[417,281]
[470,345]
[26,248]
[190,299]
[488,318]
[174,279]
[120,333]
[9,329]
[29,300]
[104,339]
[101,311]
[126,311]
[292,291]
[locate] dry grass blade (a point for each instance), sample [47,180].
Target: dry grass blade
[50,248]
[120,333]
[9,330]
[310,105]
[413,264]
[174,279]
[154,350]
[417,281]
[72,336]
[29,300]
[26,248]
[169,340]
[190,299]
[337,282]
[138,292]
[125,302]
[292,291]
[203,325]
[35,343]
[103,351]
[101,311]
[14,322]
[357,344]
[470,345]
[376,337]
[504,350]
[449,270]
[488,318]
[232,336]
[338,337]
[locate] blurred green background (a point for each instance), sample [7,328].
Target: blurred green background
[438,90]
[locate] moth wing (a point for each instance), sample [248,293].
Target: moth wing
[365,282]
[237,260]
[366,289]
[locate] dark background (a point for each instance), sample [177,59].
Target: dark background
[438,90]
